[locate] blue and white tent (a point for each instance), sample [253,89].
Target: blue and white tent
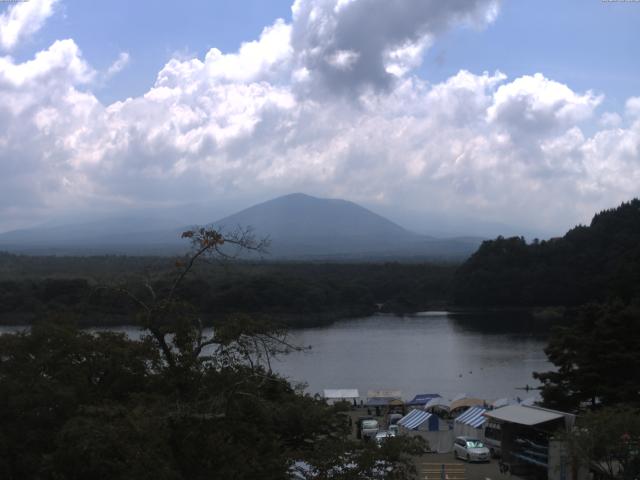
[419,420]
[470,423]
[473,417]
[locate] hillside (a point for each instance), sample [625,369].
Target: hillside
[304,227]
[299,226]
[590,263]
[132,235]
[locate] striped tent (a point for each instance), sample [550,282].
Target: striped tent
[470,423]
[474,417]
[414,419]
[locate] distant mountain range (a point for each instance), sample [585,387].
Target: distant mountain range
[299,227]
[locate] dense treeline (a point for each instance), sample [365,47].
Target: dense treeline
[593,271]
[178,403]
[597,358]
[590,263]
[297,293]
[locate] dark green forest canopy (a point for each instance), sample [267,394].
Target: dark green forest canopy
[177,404]
[597,359]
[76,405]
[590,263]
[299,294]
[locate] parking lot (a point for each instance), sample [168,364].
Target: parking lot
[429,465]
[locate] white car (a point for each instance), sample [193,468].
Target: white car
[382,435]
[470,449]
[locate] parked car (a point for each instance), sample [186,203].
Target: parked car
[470,449]
[394,429]
[382,435]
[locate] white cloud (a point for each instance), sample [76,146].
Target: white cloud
[353,45]
[633,107]
[610,119]
[119,64]
[23,19]
[343,59]
[405,58]
[535,104]
[248,123]
[255,60]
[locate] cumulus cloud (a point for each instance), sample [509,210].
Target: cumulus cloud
[23,19]
[119,64]
[535,105]
[248,123]
[356,44]
[610,119]
[633,106]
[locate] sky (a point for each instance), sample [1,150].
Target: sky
[464,111]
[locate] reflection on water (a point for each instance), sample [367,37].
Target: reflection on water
[433,353]
[426,353]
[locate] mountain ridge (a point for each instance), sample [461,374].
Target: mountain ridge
[299,226]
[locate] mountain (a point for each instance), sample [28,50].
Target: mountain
[302,226]
[591,263]
[299,227]
[115,235]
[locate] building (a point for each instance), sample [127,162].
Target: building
[529,441]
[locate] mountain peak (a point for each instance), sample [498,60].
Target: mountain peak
[299,215]
[299,226]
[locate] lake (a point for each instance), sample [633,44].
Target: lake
[432,352]
[425,353]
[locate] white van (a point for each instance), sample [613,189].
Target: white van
[369,428]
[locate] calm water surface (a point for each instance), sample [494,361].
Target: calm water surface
[424,353]
[429,353]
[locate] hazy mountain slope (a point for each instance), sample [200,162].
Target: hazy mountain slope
[302,216]
[299,226]
[121,235]
[303,226]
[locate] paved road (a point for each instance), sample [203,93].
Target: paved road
[430,468]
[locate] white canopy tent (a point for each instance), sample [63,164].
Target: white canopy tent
[530,415]
[341,395]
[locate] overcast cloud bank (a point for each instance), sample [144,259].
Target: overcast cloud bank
[328,104]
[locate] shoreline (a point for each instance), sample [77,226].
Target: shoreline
[546,316]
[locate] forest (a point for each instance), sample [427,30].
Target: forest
[81,405]
[593,273]
[297,294]
[78,405]
[597,262]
